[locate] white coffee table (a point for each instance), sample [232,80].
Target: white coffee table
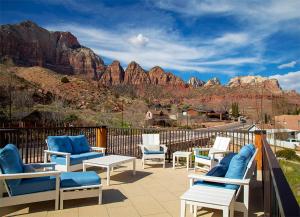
[205,196]
[182,154]
[109,162]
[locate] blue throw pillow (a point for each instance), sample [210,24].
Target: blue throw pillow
[59,143]
[11,162]
[80,144]
[218,171]
[247,151]
[226,160]
[236,169]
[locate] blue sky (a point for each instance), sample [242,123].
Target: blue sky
[201,38]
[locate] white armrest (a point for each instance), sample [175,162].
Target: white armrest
[164,147]
[28,175]
[220,179]
[57,153]
[219,152]
[42,165]
[202,149]
[98,149]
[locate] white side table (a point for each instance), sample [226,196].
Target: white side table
[182,154]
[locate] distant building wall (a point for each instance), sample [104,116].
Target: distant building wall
[288,121]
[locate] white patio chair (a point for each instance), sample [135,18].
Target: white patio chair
[215,154]
[244,185]
[152,149]
[27,186]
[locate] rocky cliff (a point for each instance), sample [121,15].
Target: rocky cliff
[27,44]
[212,82]
[257,81]
[159,77]
[195,82]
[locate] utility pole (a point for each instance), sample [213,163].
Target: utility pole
[122,114]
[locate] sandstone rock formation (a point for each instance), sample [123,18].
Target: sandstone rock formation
[28,44]
[113,75]
[195,82]
[258,81]
[136,75]
[212,82]
[159,77]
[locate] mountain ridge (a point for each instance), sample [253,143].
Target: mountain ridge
[28,44]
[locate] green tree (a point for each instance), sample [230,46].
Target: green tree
[235,109]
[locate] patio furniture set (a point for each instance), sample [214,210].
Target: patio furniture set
[226,178]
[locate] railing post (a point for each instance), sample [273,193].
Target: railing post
[259,136]
[101,137]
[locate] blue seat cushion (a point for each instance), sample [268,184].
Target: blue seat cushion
[77,179]
[153,152]
[33,185]
[236,170]
[203,156]
[11,162]
[80,144]
[59,143]
[210,184]
[75,158]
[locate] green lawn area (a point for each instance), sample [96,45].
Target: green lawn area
[292,173]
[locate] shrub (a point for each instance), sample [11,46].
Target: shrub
[64,80]
[71,118]
[288,154]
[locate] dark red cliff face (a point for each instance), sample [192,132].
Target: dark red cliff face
[27,44]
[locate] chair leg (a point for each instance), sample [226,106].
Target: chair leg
[225,212]
[100,195]
[61,200]
[195,211]
[182,208]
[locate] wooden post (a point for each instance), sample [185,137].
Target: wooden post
[259,136]
[101,137]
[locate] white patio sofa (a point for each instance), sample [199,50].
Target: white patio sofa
[153,150]
[68,152]
[234,173]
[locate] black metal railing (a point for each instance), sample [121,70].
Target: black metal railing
[31,141]
[278,196]
[125,141]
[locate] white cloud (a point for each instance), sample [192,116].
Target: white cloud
[162,48]
[139,40]
[289,81]
[233,38]
[287,65]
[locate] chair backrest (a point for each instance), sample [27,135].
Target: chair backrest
[222,144]
[151,142]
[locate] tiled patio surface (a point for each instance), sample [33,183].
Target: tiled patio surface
[153,192]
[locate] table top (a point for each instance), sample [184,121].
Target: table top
[109,160]
[209,195]
[182,153]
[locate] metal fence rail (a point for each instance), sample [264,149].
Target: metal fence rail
[278,196]
[31,141]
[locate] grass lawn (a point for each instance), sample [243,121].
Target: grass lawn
[292,173]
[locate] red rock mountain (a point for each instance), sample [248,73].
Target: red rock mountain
[28,44]
[135,74]
[159,77]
